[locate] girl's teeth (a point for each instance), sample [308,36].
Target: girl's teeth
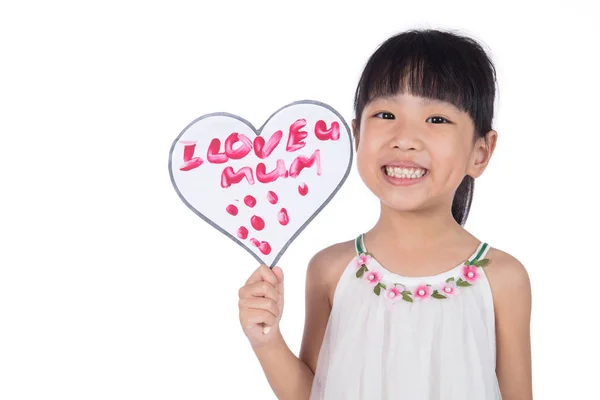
[410,173]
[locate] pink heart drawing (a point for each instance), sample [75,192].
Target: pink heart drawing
[261,188]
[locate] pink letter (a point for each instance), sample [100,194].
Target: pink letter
[263,151]
[296,137]
[264,177]
[228,176]
[189,161]
[322,133]
[241,151]
[213,155]
[302,162]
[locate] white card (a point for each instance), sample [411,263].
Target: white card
[262,187]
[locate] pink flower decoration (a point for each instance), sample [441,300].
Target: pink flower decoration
[448,289]
[362,259]
[394,293]
[373,277]
[470,273]
[422,292]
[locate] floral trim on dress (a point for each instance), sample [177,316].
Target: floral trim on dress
[393,291]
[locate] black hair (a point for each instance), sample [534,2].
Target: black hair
[441,65]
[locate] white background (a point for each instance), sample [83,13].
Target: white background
[99,299]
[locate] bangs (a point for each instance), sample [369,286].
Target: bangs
[435,65]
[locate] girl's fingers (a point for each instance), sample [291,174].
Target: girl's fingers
[257,317]
[259,289]
[255,277]
[263,273]
[260,303]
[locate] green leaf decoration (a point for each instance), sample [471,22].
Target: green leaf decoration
[383,286]
[377,290]
[482,263]
[437,295]
[408,292]
[450,280]
[361,271]
[467,263]
[406,298]
[462,283]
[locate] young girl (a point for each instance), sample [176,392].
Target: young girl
[417,307]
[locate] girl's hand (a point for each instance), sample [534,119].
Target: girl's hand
[261,305]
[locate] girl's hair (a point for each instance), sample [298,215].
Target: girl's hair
[440,65]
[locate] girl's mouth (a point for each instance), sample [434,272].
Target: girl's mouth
[404,173]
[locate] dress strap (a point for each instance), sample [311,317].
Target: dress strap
[481,252]
[358,242]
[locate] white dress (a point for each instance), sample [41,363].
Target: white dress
[395,337]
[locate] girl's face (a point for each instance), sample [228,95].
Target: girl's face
[413,153]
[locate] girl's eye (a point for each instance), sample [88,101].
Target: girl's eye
[386,115]
[438,120]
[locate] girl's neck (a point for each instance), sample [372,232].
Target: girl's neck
[416,229]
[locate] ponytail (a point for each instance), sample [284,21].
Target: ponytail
[461,205]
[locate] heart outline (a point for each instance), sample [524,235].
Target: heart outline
[258,132]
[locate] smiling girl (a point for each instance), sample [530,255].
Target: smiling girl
[417,307]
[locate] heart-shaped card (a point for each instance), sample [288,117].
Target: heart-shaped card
[262,187]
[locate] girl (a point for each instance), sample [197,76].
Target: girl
[417,307]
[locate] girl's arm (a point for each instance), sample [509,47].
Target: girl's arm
[291,377]
[512,299]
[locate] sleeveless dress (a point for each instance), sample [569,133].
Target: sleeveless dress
[395,337]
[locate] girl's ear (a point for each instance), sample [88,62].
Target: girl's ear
[355,133]
[482,153]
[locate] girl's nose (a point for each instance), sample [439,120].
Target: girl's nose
[406,138]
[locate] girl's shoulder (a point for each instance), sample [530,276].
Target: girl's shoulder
[511,290]
[506,274]
[327,266]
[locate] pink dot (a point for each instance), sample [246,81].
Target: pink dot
[242,232]
[250,201]
[272,197]
[303,189]
[255,242]
[257,222]
[283,217]
[264,248]
[231,209]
